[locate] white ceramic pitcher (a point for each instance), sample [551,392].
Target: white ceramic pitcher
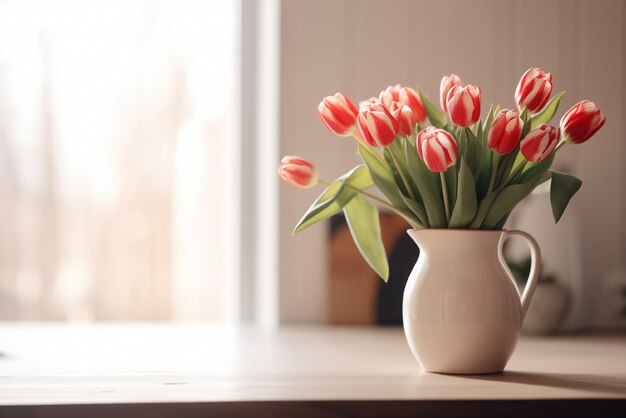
[461,309]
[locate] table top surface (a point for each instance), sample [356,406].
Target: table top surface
[85,364]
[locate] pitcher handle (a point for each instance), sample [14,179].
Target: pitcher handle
[535,266]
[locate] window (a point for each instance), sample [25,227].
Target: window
[115,147]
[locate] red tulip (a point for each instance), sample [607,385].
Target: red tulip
[404,115]
[298,172]
[533,90]
[539,143]
[447,82]
[365,104]
[505,131]
[338,114]
[406,96]
[377,125]
[463,104]
[437,148]
[582,121]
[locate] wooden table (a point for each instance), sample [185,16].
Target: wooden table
[193,370]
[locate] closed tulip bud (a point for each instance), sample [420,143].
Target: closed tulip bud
[533,90]
[410,98]
[389,95]
[447,82]
[338,114]
[437,149]
[539,143]
[505,131]
[404,115]
[582,121]
[298,172]
[365,104]
[463,105]
[377,125]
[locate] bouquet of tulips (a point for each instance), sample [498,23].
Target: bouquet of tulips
[458,172]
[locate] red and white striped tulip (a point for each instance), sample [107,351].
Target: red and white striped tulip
[447,82]
[539,143]
[365,104]
[377,125]
[404,116]
[437,149]
[406,96]
[463,105]
[338,114]
[582,121]
[298,172]
[533,90]
[505,131]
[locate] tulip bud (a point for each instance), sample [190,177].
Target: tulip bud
[403,114]
[338,114]
[365,104]
[533,90]
[582,121]
[505,131]
[298,172]
[463,105]
[410,98]
[447,82]
[377,125]
[389,95]
[437,149]
[539,143]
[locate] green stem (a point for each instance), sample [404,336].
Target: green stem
[382,202]
[444,191]
[402,175]
[494,171]
[560,145]
[513,174]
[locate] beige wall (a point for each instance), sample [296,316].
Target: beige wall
[359,47]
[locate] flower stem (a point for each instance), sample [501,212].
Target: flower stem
[444,191]
[366,194]
[389,206]
[494,171]
[514,174]
[559,146]
[402,175]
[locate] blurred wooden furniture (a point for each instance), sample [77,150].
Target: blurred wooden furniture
[200,370]
[353,287]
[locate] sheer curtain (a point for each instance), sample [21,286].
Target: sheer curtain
[113,120]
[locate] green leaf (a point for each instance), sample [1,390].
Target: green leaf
[335,197]
[508,198]
[435,115]
[473,152]
[429,187]
[548,112]
[364,224]
[466,203]
[563,187]
[533,169]
[483,209]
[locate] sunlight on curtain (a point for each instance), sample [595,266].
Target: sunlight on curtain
[113,117]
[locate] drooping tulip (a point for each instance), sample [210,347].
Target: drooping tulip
[533,90]
[505,131]
[447,82]
[437,149]
[298,172]
[377,125]
[463,105]
[539,143]
[582,121]
[404,116]
[338,114]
